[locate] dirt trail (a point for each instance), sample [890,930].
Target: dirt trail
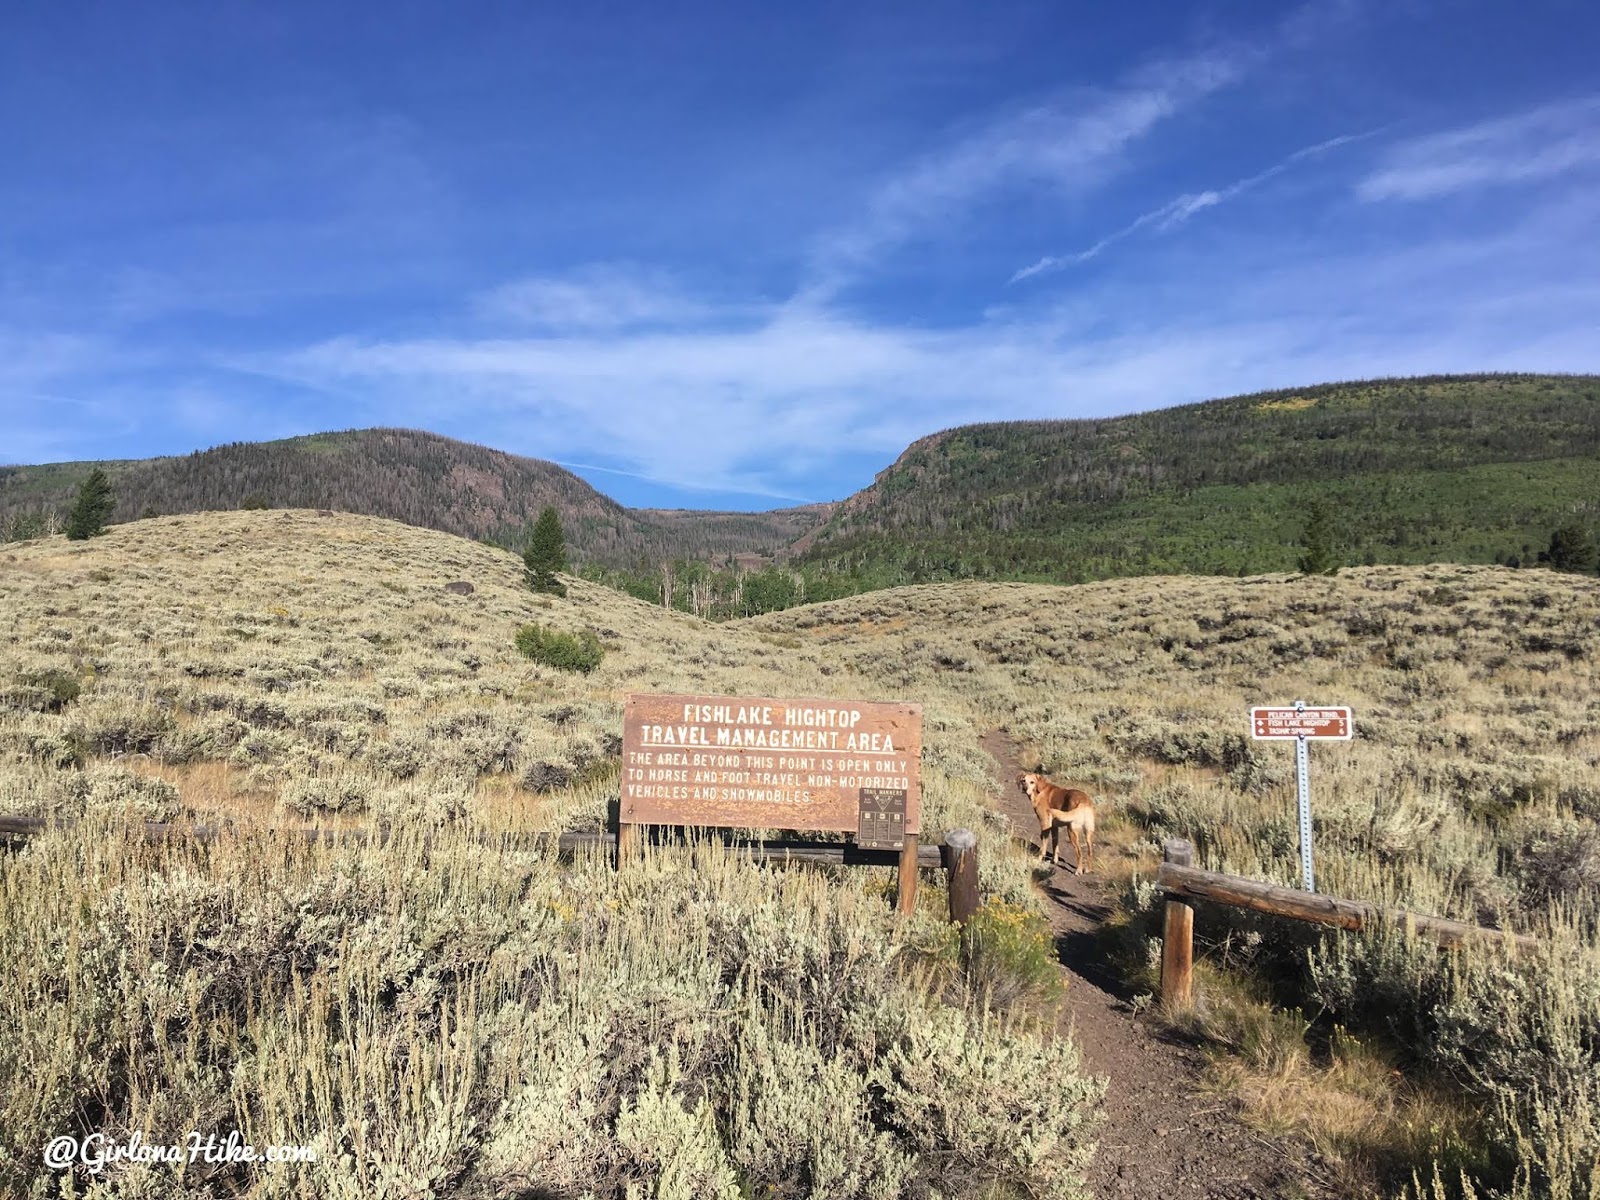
[1163,1139]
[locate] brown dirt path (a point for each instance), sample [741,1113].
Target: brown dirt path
[1163,1139]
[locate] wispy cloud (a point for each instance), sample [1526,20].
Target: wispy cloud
[1524,148]
[755,408]
[44,403]
[32,360]
[769,386]
[732,409]
[1069,145]
[599,297]
[1073,144]
[766,404]
[1176,212]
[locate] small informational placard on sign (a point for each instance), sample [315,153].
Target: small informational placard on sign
[768,763]
[883,819]
[1308,722]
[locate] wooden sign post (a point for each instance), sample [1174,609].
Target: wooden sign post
[765,763]
[1303,723]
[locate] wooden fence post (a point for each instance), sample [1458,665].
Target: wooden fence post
[961,866]
[627,842]
[1177,938]
[907,900]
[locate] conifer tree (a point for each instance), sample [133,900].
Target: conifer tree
[546,554]
[1317,542]
[1571,549]
[92,508]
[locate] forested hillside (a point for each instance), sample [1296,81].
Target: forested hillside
[1461,468]
[405,475]
[1471,469]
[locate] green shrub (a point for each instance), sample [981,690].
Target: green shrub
[44,691]
[114,791]
[545,777]
[208,737]
[1008,958]
[1517,1034]
[565,651]
[125,727]
[309,797]
[46,744]
[1011,1128]
[1571,549]
[696,1028]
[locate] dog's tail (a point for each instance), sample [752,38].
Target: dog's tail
[1080,817]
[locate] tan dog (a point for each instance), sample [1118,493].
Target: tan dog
[1079,823]
[1056,806]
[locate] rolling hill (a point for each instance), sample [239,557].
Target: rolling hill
[1471,469]
[1459,468]
[265,667]
[407,475]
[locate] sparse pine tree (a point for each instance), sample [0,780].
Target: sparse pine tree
[1571,549]
[1316,542]
[546,554]
[92,508]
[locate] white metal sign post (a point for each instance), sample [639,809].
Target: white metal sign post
[1302,785]
[1302,724]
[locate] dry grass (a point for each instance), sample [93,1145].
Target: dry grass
[454,1019]
[1472,791]
[1359,1110]
[1475,690]
[314,668]
[317,664]
[450,1019]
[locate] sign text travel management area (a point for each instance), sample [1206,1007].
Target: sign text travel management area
[766,763]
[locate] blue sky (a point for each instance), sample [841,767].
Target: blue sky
[740,255]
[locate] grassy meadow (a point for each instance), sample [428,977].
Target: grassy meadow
[1472,790]
[453,1016]
[448,1015]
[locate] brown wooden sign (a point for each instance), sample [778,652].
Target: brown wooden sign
[1325,722]
[766,763]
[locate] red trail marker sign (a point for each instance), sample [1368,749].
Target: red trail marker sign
[1301,722]
[1335,722]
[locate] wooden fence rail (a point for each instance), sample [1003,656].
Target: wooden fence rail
[1183,883]
[958,857]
